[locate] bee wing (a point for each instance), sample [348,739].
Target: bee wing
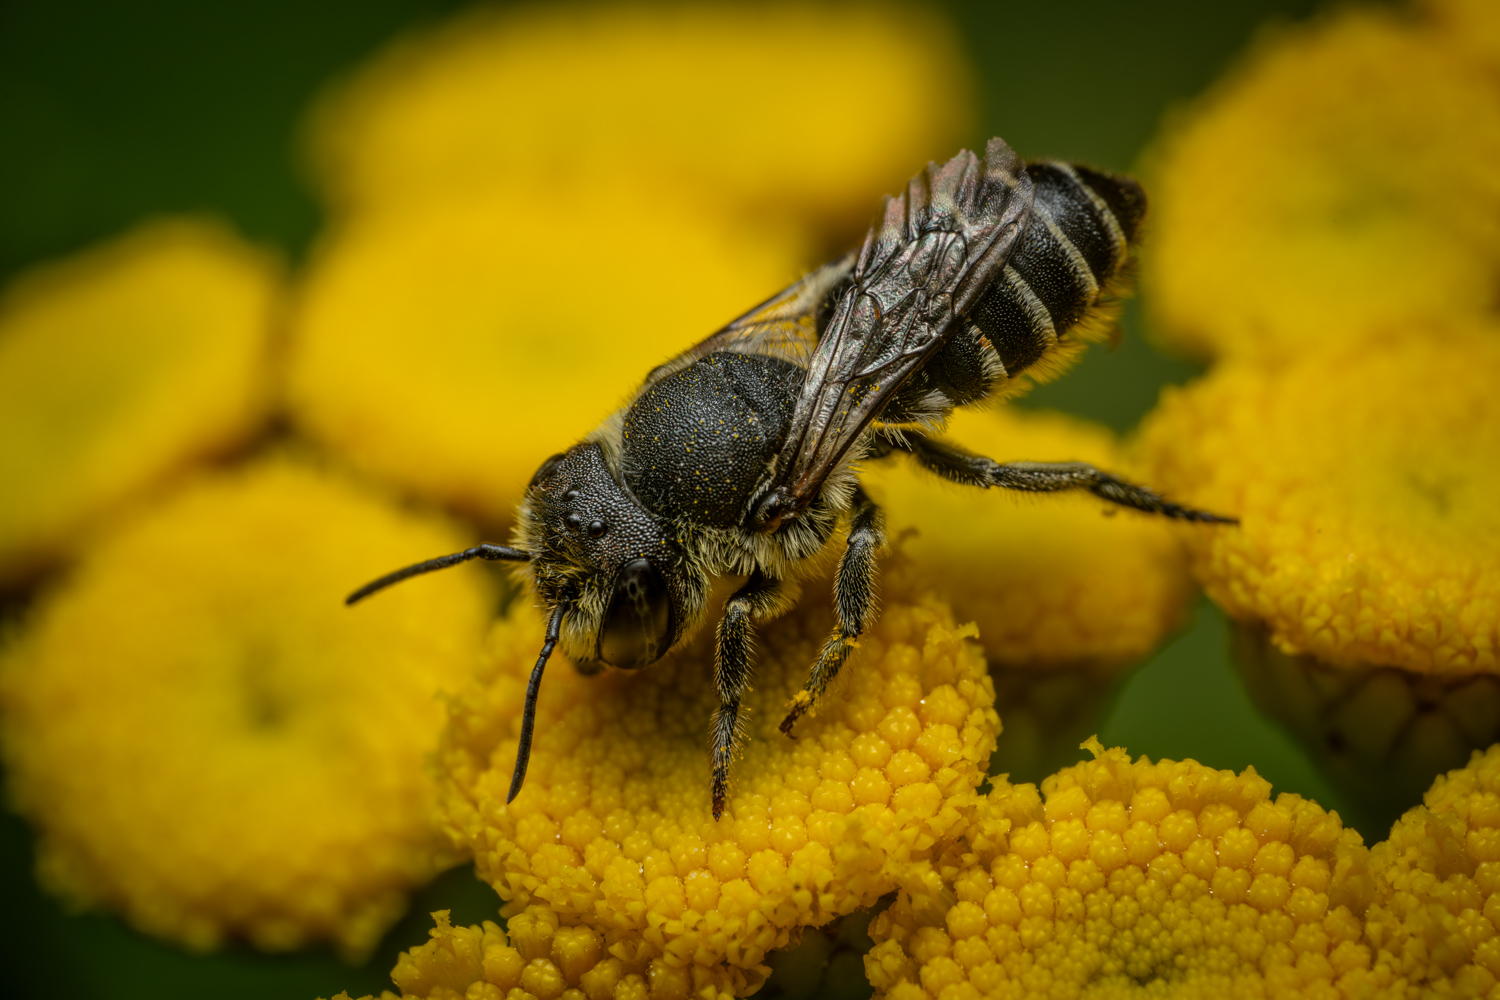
[927,261]
[784,326]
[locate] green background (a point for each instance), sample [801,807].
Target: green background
[111,111]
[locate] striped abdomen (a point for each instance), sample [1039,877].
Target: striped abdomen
[1037,315]
[1082,224]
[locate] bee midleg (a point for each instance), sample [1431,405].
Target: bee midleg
[759,599]
[960,466]
[854,603]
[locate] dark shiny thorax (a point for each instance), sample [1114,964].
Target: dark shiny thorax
[696,443]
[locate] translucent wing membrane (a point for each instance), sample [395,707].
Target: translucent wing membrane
[926,263]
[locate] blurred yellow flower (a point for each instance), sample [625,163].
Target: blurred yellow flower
[454,348]
[1365,479]
[741,104]
[1051,581]
[1437,876]
[613,831]
[207,740]
[1340,183]
[1470,26]
[1136,879]
[119,367]
[1067,591]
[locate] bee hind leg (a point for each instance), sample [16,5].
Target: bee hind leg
[960,466]
[759,599]
[854,603]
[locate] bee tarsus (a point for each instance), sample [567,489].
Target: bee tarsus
[963,467]
[760,599]
[854,596]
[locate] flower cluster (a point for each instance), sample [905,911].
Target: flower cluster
[478,271]
[1368,532]
[1136,878]
[204,737]
[209,742]
[1328,229]
[613,831]
[1067,591]
[120,367]
[1438,876]
[1338,183]
[714,105]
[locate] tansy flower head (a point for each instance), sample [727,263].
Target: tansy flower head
[453,349]
[1065,590]
[1341,182]
[1380,733]
[1438,877]
[1469,26]
[207,740]
[614,831]
[723,103]
[120,366]
[1135,878]
[1365,483]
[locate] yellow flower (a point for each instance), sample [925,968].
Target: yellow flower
[1365,481]
[1066,591]
[119,367]
[726,103]
[207,740]
[1051,581]
[614,831]
[1340,183]
[1380,733]
[1470,26]
[532,954]
[454,348]
[1437,876]
[1136,879]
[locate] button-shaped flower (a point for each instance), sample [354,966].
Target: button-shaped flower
[613,830]
[120,367]
[1133,878]
[1067,591]
[1339,184]
[208,741]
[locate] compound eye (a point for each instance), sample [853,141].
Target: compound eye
[638,625]
[548,467]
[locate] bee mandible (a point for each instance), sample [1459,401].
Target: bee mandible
[740,456]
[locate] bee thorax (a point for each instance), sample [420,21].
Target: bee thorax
[696,444]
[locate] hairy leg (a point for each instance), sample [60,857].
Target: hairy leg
[854,603]
[960,466]
[759,599]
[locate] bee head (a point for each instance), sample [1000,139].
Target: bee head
[614,564]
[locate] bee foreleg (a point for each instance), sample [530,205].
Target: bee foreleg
[760,598]
[854,603]
[960,466]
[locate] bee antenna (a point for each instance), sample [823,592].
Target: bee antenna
[484,551]
[528,715]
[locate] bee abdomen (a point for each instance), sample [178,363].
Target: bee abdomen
[1083,222]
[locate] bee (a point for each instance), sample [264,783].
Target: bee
[740,457]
